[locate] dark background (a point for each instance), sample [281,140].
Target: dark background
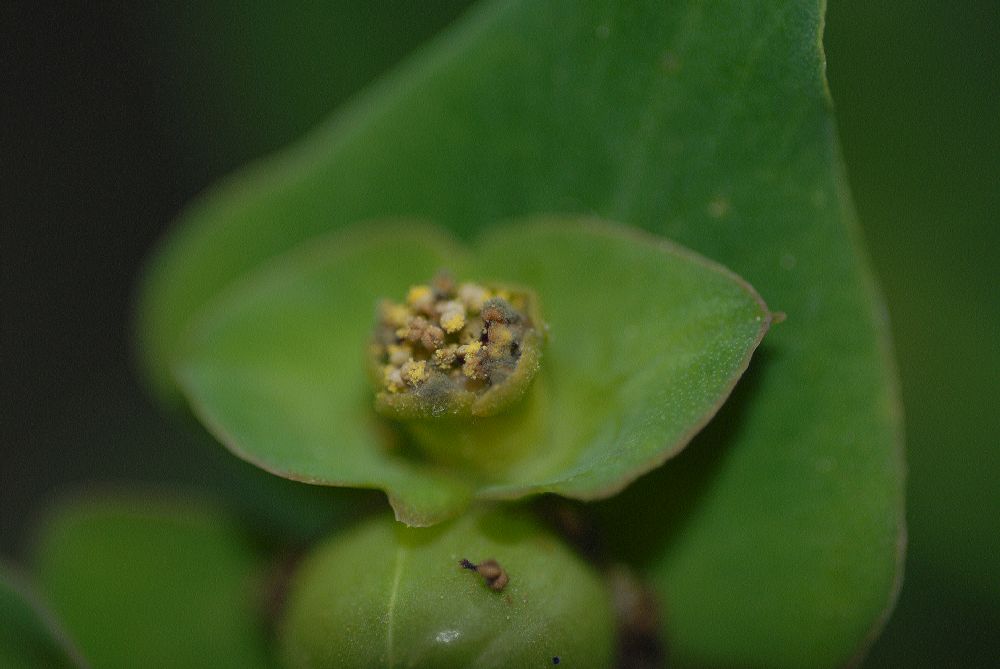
[114,116]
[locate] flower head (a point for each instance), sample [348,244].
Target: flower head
[643,342]
[465,349]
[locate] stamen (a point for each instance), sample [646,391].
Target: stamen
[447,346]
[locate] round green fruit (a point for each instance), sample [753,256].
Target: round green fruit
[490,589]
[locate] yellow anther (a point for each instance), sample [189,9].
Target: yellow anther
[393,314]
[500,338]
[500,333]
[413,330]
[398,354]
[415,372]
[473,296]
[392,378]
[472,348]
[420,296]
[472,367]
[454,320]
[449,343]
[445,357]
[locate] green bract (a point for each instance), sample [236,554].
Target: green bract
[384,595]
[645,341]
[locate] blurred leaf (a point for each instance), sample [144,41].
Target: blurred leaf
[277,368]
[151,583]
[712,127]
[417,607]
[30,638]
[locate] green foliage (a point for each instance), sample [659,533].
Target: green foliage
[774,541]
[384,595]
[155,584]
[635,364]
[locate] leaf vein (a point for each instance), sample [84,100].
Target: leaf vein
[391,610]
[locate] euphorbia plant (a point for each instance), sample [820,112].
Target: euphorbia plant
[569,375]
[612,351]
[643,342]
[296,312]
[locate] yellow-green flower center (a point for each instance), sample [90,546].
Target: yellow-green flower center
[449,344]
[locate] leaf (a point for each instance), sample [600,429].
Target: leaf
[417,607]
[712,127]
[636,362]
[277,371]
[151,583]
[30,637]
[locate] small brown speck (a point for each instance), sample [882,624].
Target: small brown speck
[491,571]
